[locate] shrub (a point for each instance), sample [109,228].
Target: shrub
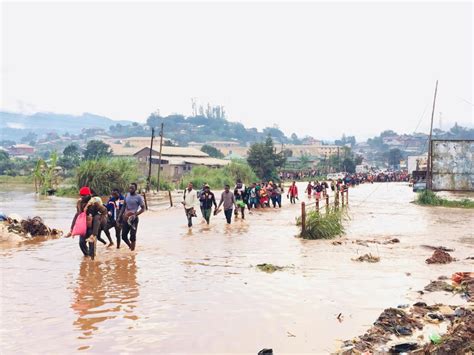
[217,178]
[103,175]
[322,225]
[429,198]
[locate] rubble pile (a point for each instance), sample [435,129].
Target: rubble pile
[30,227]
[440,257]
[397,330]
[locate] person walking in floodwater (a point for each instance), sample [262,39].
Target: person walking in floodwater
[207,199]
[190,201]
[114,205]
[94,210]
[240,198]
[228,199]
[133,207]
[293,192]
[309,189]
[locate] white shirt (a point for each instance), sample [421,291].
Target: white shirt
[190,199]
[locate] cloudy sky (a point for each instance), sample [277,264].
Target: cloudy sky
[317,68]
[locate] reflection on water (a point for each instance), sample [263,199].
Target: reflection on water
[105,290]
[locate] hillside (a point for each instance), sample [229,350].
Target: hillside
[14,126]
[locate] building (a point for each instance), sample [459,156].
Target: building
[21,150]
[127,147]
[226,147]
[417,162]
[175,161]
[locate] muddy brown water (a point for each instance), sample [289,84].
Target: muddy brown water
[198,291]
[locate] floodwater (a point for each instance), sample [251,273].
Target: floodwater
[198,291]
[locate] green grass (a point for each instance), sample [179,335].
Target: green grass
[7,179]
[217,178]
[322,225]
[429,198]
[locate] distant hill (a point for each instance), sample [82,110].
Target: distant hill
[14,126]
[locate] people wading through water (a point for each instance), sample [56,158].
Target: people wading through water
[133,207]
[94,210]
[240,196]
[190,201]
[309,189]
[207,199]
[276,195]
[293,192]
[114,206]
[228,199]
[252,196]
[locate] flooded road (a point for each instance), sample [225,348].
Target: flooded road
[198,291]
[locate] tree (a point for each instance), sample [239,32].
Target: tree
[71,157]
[212,151]
[264,159]
[96,149]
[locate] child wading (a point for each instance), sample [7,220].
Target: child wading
[133,207]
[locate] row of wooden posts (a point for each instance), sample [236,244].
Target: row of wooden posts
[146,201]
[343,200]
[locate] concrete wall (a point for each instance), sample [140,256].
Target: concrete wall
[452,165]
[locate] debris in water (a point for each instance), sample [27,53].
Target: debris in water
[270,268]
[439,286]
[440,257]
[393,324]
[368,257]
[459,338]
[290,335]
[30,227]
[437,248]
[466,282]
[376,241]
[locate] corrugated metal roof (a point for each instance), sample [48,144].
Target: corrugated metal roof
[194,161]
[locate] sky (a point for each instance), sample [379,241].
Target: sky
[313,68]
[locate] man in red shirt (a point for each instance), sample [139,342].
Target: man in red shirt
[293,192]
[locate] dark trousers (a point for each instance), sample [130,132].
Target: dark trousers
[228,215]
[127,228]
[276,200]
[87,251]
[293,199]
[189,216]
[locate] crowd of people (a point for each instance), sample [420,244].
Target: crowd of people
[120,213]
[233,202]
[94,217]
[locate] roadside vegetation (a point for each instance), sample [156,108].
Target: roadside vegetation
[321,225]
[217,178]
[429,198]
[103,175]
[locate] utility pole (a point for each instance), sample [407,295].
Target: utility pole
[429,177]
[159,162]
[148,180]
